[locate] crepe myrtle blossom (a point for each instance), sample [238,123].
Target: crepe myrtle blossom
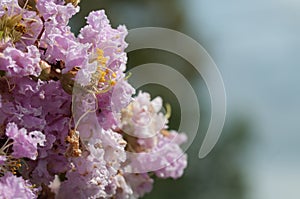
[12,186]
[24,144]
[69,124]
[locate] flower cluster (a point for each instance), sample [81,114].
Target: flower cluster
[69,126]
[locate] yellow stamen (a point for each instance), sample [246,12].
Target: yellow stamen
[113,82]
[102,76]
[100,57]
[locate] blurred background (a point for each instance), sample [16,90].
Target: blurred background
[256,46]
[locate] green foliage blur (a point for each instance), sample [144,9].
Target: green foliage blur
[218,176]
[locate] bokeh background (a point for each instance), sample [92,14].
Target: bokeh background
[256,46]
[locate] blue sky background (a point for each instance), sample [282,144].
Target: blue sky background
[256,45]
